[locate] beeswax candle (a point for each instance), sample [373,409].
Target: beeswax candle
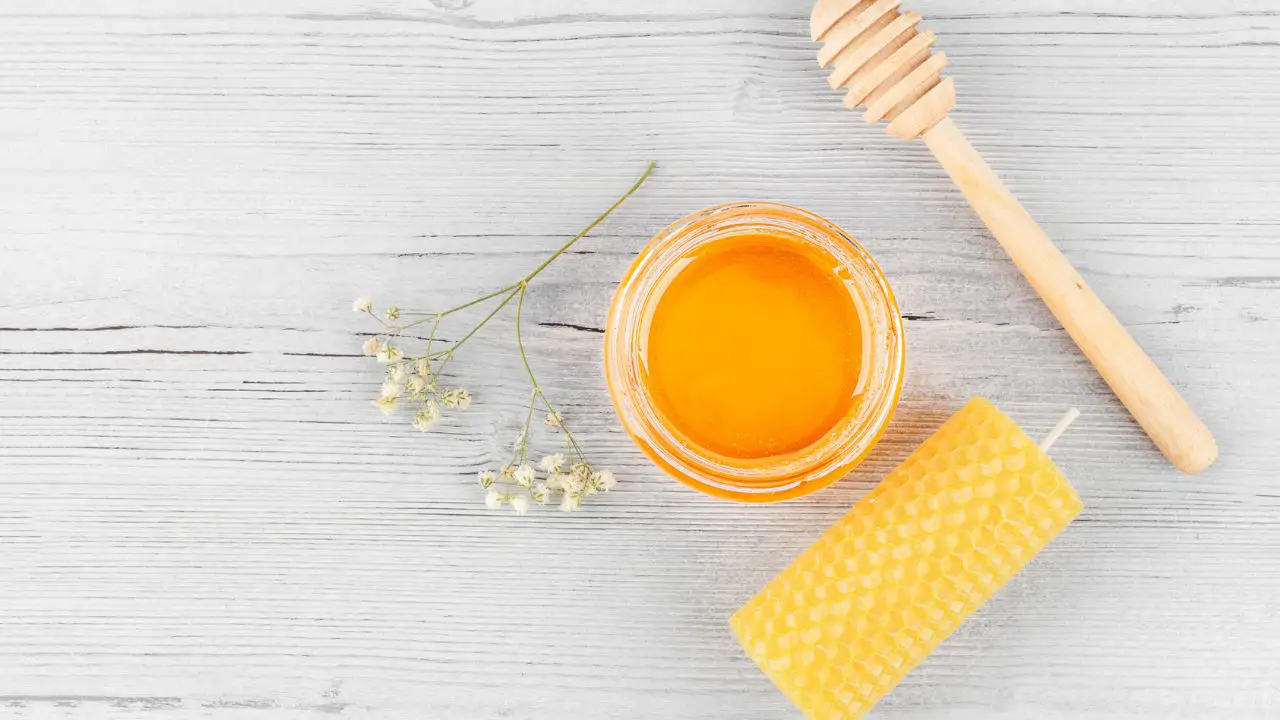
[885,585]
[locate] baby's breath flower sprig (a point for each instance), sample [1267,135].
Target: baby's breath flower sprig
[417,380]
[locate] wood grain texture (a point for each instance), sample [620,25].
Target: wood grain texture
[202,517]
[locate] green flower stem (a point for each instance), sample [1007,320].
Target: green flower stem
[536,271]
[516,291]
[511,291]
[441,315]
[537,389]
[568,435]
[630,191]
[434,327]
[522,449]
[448,354]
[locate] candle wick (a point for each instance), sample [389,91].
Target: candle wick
[1058,429]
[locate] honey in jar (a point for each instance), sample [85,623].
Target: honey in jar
[754,351]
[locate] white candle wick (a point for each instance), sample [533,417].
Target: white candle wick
[1058,429]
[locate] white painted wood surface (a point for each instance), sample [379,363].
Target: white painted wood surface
[202,517]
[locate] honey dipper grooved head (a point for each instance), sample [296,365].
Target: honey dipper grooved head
[885,63]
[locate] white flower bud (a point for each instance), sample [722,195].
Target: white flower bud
[554,420]
[486,478]
[524,476]
[427,416]
[388,353]
[418,385]
[573,483]
[494,499]
[393,312]
[571,502]
[457,398]
[551,463]
[521,504]
[386,405]
[371,346]
[397,373]
[390,390]
[540,493]
[605,480]
[363,304]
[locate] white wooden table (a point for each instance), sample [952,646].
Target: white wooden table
[202,517]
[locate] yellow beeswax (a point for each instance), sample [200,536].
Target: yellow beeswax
[878,591]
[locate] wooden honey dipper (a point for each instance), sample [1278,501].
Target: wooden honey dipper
[876,52]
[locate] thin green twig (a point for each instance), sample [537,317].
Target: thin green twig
[434,327]
[401,328]
[517,291]
[448,354]
[630,191]
[543,266]
[522,447]
[395,330]
[537,389]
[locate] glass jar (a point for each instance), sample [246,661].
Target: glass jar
[776,477]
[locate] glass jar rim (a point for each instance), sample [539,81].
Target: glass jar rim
[781,476]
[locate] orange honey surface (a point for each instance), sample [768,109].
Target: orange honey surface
[754,347]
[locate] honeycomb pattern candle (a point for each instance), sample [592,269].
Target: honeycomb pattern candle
[885,585]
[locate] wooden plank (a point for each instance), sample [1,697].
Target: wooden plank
[202,516]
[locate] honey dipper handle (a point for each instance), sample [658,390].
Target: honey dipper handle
[1136,380]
